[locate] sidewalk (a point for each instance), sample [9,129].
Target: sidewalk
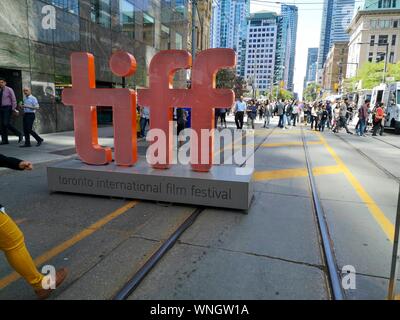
[56,146]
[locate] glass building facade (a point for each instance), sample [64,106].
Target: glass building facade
[336,17]
[35,51]
[286,46]
[311,69]
[229,28]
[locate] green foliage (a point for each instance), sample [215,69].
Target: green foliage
[311,92]
[227,79]
[371,75]
[280,93]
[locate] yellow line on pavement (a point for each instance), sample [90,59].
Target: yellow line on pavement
[70,242]
[376,212]
[281,132]
[288,144]
[294,173]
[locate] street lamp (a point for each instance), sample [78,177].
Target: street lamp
[386,44]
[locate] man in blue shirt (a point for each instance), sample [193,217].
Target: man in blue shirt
[30,106]
[240,107]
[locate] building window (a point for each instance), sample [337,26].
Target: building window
[71,6]
[100,12]
[393,40]
[372,41]
[370,56]
[380,56]
[387,4]
[148,29]
[126,17]
[178,41]
[395,23]
[383,39]
[165,42]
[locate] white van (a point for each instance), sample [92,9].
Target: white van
[389,94]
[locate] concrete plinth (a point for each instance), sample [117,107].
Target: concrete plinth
[221,187]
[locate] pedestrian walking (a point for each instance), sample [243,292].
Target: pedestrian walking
[363,118]
[251,114]
[222,116]
[280,111]
[8,106]
[314,116]
[13,245]
[268,114]
[144,120]
[378,120]
[323,119]
[240,107]
[329,110]
[342,123]
[30,106]
[295,113]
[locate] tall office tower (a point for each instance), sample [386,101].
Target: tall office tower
[215,15]
[311,66]
[286,46]
[290,13]
[229,23]
[336,17]
[260,49]
[242,12]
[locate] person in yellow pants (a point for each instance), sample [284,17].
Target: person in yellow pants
[13,245]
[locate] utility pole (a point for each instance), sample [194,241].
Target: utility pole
[194,40]
[395,256]
[254,74]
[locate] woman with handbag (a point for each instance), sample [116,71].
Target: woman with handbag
[30,106]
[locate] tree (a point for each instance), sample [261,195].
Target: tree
[311,92]
[227,79]
[371,75]
[280,93]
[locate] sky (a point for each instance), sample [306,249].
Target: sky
[308,32]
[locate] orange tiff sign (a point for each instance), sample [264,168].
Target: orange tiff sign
[160,97]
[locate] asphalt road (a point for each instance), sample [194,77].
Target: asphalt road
[273,252]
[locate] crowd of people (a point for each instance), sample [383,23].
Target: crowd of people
[320,115]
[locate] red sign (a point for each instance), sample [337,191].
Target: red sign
[160,97]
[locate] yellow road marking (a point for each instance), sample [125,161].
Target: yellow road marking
[294,173]
[325,170]
[288,144]
[281,132]
[373,208]
[70,242]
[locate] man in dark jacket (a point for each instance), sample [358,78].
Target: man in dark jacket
[13,245]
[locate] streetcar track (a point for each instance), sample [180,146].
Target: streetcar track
[132,284]
[388,143]
[328,251]
[375,163]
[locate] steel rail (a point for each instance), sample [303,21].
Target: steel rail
[376,164]
[327,246]
[139,276]
[130,286]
